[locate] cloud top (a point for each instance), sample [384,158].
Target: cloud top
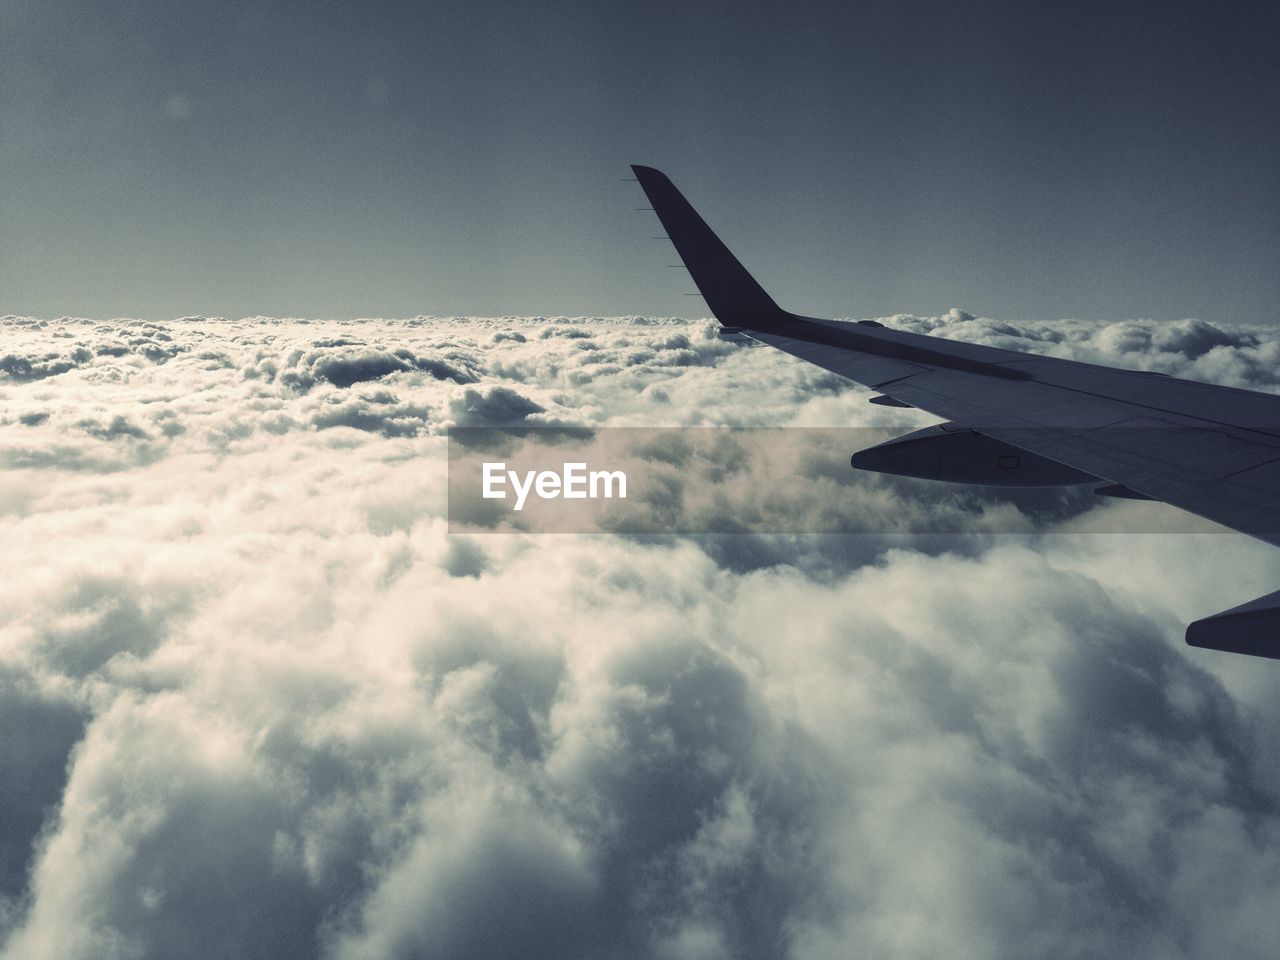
[260,703]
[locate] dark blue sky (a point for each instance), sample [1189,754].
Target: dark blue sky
[1019,160]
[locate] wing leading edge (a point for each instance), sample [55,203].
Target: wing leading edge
[1213,451]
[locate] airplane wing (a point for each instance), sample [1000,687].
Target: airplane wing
[1018,418]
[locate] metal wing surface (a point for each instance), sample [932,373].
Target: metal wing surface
[1213,451]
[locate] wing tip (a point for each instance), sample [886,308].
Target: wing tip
[651,175]
[734,296]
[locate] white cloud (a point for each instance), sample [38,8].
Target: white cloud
[263,704]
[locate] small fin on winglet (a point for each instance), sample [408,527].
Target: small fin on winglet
[733,295]
[1252,628]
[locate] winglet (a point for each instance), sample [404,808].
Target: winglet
[732,294]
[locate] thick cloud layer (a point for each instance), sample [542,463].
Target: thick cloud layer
[258,703]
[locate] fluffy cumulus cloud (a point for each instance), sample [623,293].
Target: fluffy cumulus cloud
[258,702]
